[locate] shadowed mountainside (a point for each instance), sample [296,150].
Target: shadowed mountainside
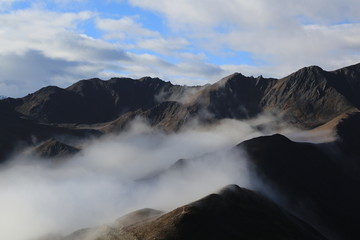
[314,179]
[18,133]
[233,213]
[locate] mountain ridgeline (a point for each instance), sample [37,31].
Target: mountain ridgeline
[307,98]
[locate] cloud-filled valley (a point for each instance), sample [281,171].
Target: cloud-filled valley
[104,182]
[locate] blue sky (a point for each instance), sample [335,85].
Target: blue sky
[59,42]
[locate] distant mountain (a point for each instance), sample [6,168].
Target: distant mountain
[307,99]
[2,97]
[233,213]
[18,133]
[92,101]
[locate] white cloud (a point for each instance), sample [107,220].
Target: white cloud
[25,73]
[36,30]
[127,29]
[248,14]
[190,72]
[39,48]
[102,183]
[163,46]
[123,28]
[285,35]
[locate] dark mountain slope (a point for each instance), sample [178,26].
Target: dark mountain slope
[115,230]
[315,183]
[55,149]
[235,96]
[349,140]
[167,116]
[17,133]
[233,213]
[346,81]
[93,101]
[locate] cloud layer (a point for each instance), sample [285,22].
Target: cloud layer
[102,183]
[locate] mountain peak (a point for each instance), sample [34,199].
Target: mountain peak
[308,72]
[232,77]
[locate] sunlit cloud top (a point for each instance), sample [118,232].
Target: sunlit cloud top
[186,42]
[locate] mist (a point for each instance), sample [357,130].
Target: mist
[114,175]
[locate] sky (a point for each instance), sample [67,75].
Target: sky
[60,42]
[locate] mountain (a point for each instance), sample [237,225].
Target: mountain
[232,213]
[17,133]
[310,93]
[307,99]
[315,180]
[53,148]
[311,96]
[92,101]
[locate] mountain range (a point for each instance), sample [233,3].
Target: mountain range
[308,98]
[318,182]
